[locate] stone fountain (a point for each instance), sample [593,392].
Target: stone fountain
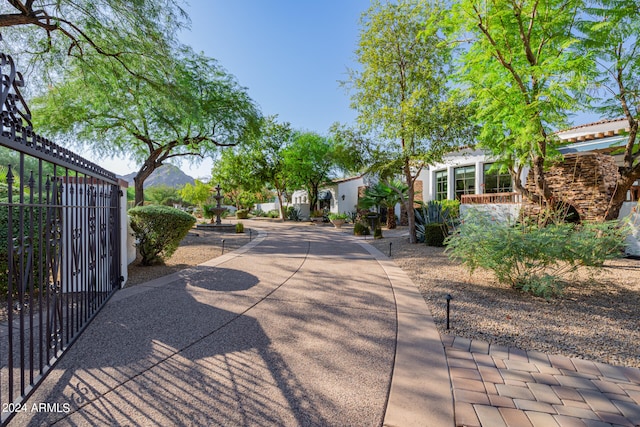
[217,211]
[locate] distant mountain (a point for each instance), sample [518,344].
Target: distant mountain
[167,174]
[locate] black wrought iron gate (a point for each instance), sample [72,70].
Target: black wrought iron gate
[59,246]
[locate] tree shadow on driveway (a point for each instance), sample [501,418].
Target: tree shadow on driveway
[175,356]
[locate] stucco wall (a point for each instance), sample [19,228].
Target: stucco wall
[348,189]
[498,212]
[631,211]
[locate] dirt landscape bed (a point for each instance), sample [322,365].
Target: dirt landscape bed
[197,247]
[596,318]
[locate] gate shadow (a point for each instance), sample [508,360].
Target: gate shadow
[183,353]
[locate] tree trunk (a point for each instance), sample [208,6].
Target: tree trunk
[280,205]
[139,191]
[625,181]
[629,173]
[408,204]
[147,169]
[391,218]
[313,197]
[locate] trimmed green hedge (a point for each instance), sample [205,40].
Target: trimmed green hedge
[31,217]
[159,230]
[434,234]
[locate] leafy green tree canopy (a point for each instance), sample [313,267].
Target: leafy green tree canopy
[401,93]
[525,75]
[48,31]
[196,194]
[311,161]
[198,108]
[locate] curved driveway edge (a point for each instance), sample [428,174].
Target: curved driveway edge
[420,392]
[300,330]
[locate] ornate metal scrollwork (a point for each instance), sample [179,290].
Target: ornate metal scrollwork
[54,239]
[14,108]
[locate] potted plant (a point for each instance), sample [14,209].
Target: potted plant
[338,219]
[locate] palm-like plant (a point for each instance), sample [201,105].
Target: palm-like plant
[385,195]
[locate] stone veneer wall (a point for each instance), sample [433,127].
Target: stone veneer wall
[585,181]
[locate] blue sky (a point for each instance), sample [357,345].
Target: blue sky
[289,54]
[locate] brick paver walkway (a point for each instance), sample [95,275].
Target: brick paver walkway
[497,386]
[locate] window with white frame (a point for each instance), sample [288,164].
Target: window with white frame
[465,180]
[441,185]
[496,181]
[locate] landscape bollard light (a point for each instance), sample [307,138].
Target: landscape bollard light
[249,235]
[222,246]
[390,243]
[448,298]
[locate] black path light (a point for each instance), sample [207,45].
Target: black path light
[390,243]
[222,246]
[448,298]
[249,234]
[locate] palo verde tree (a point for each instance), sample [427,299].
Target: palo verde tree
[311,161]
[401,93]
[268,160]
[198,108]
[611,31]
[525,75]
[258,163]
[197,194]
[47,32]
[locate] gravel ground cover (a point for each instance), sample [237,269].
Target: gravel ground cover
[197,247]
[596,318]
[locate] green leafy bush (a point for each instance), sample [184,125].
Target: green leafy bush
[434,234]
[239,227]
[31,217]
[273,214]
[159,230]
[452,207]
[242,214]
[377,233]
[530,257]
[339,216]
[359,229]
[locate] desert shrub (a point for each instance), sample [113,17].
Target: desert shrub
[159,230]
[273,214]
[239,227]
[452,207]
[377,233]
[434,234]
[534,258]
[242,214]
[360,229]
[293,214]
[259,213]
